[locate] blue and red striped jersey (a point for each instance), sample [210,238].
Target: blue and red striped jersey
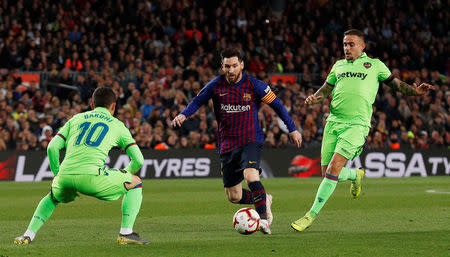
[236,108]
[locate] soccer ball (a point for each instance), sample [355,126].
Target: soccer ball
[246,221]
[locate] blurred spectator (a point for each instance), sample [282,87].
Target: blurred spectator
[157,59]
[47,132]
[74,63]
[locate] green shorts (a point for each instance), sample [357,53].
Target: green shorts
[108,185]
[344,139]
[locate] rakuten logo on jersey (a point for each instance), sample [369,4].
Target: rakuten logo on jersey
[230,108]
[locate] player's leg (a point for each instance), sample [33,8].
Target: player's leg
[110,185]
[59,192]
[326,189]
[249,162]
[345,174]
[232,177]
[260,199]
[258,192]
[328,184]
[330,162]
[237,194]
[329,141]
[233,166]
[131,204]
[42,213]
[350,145]
[349,138]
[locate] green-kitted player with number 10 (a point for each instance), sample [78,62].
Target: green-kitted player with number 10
[88,137]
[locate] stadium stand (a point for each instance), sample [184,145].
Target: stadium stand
[157,56]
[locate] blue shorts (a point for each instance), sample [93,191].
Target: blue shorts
[233,163]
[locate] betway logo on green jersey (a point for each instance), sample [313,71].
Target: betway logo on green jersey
[349,74]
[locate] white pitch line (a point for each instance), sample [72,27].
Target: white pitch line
[432,191]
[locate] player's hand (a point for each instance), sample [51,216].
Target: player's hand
[313,99]
[423,88]
[296,138]
[178,120]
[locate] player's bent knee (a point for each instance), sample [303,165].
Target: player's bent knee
[251,174]
[62,198]
[53,198]
[234,198]
[334,170]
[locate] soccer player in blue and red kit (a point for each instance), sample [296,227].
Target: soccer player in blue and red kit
[236,97]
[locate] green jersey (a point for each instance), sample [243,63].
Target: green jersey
[88,137]
[355,87]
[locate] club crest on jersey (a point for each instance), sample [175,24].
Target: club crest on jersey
[367,65]
[247,97]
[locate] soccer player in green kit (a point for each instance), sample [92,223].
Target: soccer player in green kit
[354,83]
[88,137]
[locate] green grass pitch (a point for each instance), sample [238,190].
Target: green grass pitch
[191,217]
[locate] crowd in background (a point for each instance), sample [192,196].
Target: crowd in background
[157,55]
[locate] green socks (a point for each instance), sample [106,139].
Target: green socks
[131,204]
[347,174]
[42,213]
[326,189]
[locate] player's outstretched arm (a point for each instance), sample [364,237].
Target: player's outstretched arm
[199,100]
[323,92]
[401,86]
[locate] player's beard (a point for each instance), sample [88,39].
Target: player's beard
[349,57]
[232,77]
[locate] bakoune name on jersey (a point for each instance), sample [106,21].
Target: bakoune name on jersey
[229,108]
